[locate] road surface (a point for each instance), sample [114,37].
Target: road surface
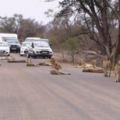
[32,93]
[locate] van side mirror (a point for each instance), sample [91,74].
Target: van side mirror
[50,44]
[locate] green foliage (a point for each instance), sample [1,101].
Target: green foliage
[72,44]
[54,41]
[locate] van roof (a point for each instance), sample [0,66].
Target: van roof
[8,35]
[33,38]
[36,39]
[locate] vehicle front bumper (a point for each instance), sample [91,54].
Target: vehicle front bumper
[43,53]
[24,52]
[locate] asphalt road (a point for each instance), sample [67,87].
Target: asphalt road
[32,93]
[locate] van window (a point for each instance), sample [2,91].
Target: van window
[10,39]
[41,44]
[26,44]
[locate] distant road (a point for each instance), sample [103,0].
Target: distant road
[33,94]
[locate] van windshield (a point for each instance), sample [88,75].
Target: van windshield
[41,44]
[26,44]
[11,39]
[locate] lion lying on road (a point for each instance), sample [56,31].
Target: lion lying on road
[56,68]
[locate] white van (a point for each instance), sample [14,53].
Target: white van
[40,47]
[12,41]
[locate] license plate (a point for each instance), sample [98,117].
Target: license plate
[45,52]
[13,48]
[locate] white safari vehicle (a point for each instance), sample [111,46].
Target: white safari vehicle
[12,41]
[39,47]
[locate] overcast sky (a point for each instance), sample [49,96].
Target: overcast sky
[28,8]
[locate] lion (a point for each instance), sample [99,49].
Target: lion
[56,68]
[117,71]
[107,67]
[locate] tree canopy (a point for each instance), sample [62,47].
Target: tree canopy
[100,19]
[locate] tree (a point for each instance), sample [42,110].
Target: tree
[23,27]
[99,18]
[72,44]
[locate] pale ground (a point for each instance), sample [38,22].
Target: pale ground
[32,93]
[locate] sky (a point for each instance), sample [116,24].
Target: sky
[34,9]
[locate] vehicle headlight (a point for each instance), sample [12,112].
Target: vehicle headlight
[22,48]
[7,50]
